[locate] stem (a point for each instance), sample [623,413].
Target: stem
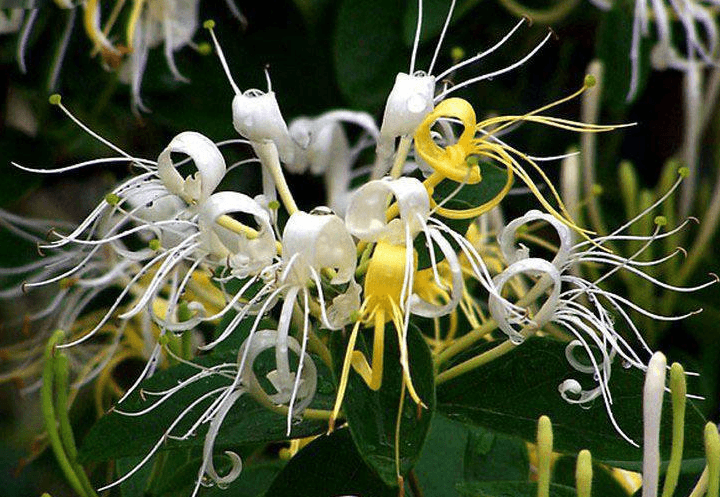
[468,339]
[400,156]
[268,155]
[62,372]
[49,417]
[475,362]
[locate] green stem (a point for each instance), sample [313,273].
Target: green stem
[475,362]
[49,417]
[62,373]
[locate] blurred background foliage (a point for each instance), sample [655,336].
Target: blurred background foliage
[324,54]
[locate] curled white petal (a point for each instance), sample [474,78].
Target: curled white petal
[317,241]
[506,238]
[207,158]
[410,100]
[257,117]
[572,392]
[246,256]
[268,339]
[500,311]
[430,310]
[366,218]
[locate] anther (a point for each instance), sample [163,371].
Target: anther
[54,99]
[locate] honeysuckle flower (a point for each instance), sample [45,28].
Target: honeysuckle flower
[169,22]
[413,95]
[389,291]
[691,14]
[451,159]
[323,148]
[591,324]
[243,380]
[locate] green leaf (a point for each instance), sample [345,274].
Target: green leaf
[441,463]
[493,456]
[613,48]
[368,51]
[372,416]
[328,467]
[116,435]
[136,484]
[509,394]
[510,489]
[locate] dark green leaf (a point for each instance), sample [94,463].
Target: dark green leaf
[441,463]
[509,394]
[136,484]
[116,435]
[491,456]
[368,51]
[328,467]
[510,489]
[372,416]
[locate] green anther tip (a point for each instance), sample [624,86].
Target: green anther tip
[274,205]
[597,190]
[55,99]
[164,340]
[154,244]
[590,81]
[112,199]
[473,160]
[457,53]
[355,316]
[660,221]
[209,24]
[204,48]
[684,172]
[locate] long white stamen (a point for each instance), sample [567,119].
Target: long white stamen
[491,75]
[416,42]
[209,25]
[157,446]
[481,54]
[442,36]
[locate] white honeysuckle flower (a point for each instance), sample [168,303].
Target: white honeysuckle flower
[503,314]
[700,44]
[323,147]
[244,381]
[208,160]
[414,94]
[171,23]
[316,139]
[592,324]
[245,255]
[315,241]
[257,117]
[410,100]
[366,214]
[506,238]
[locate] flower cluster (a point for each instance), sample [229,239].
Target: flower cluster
[415,235]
